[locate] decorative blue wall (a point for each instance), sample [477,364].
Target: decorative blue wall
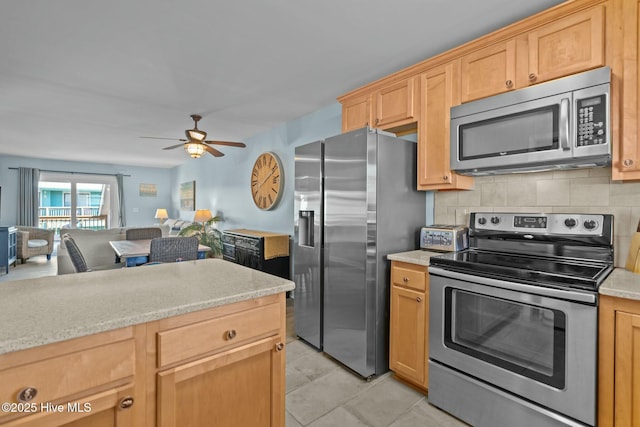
[222,184]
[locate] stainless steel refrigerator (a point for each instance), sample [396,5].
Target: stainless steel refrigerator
[355,202]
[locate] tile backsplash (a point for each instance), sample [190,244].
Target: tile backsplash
[576,191]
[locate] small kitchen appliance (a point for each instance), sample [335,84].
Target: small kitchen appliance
[446,238]
[514,320]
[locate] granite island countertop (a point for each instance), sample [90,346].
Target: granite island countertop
[621,283]
[35,312]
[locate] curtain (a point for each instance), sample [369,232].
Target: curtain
[28,196]
[122,218]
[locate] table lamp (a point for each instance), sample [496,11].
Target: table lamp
[202,216]
[162,215]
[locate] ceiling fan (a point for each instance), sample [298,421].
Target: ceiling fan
[195,144]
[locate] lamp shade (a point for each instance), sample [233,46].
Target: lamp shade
[194,149]
[202,215]
[161,214]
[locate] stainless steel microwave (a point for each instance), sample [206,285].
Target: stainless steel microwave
[560,124]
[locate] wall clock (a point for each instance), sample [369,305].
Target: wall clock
[267,181]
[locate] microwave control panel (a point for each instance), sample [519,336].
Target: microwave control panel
[592,121]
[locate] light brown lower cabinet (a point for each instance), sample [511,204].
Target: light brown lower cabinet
[223,366]
[89,381]
[408,325]
[619,362]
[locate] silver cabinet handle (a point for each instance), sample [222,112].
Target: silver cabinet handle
[126,402]
[27,394]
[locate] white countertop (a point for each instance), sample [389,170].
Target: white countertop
[621,283]
[40,311]
[420,257]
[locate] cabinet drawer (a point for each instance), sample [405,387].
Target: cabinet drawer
[70,374]
[225,332]
[411,278]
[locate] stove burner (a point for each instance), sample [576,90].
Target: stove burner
[553,250]
[535,270]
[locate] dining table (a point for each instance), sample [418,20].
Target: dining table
[136,252]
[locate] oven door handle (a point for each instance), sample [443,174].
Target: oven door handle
[588,298]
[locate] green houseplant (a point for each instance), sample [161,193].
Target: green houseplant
[207,234]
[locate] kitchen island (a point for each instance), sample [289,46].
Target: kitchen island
[167,344]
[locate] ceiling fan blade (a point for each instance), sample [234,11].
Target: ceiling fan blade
[170,139]
[171,147]
[229,143]
[213,151]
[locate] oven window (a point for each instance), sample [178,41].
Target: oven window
[532,130]
[525,339]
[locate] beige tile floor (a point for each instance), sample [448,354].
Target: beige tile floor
[320,392]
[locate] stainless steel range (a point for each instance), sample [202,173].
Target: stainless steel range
[513,320]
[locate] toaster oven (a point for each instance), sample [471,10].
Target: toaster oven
[446,238]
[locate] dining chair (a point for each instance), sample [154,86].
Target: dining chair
[143,233]
[77,259]
[173,249]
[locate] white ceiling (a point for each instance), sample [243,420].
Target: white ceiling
[84,79]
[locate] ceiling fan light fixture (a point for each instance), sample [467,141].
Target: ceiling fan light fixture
[194,149]
[195,134]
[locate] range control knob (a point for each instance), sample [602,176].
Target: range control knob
[495,220]
[482,220]
[570,222]
[590,224]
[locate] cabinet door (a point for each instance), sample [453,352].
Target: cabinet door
[627,370]
[567,46]
[439,92]
[489,71]
[111,408]
[407,340]
[356,113]
[626,162]
[240,387]
[395,105]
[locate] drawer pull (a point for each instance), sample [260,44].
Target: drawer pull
[279,346]
[508,84]
[27,394]
[419,299]
[126,402]
[405,279]
[532,77]
[231,334]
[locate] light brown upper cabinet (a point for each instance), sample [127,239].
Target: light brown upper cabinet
[489,71]
[626,160]
[356,113]
[566,46]
[439,91]
[396,104]
[563,47]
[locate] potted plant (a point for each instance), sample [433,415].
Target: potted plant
[207,234]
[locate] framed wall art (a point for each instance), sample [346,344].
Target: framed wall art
[188,196]
[148,190]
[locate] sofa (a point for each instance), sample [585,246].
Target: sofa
[175,225]
[32,241]
[94,245]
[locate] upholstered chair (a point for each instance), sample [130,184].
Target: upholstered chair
[32,241]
